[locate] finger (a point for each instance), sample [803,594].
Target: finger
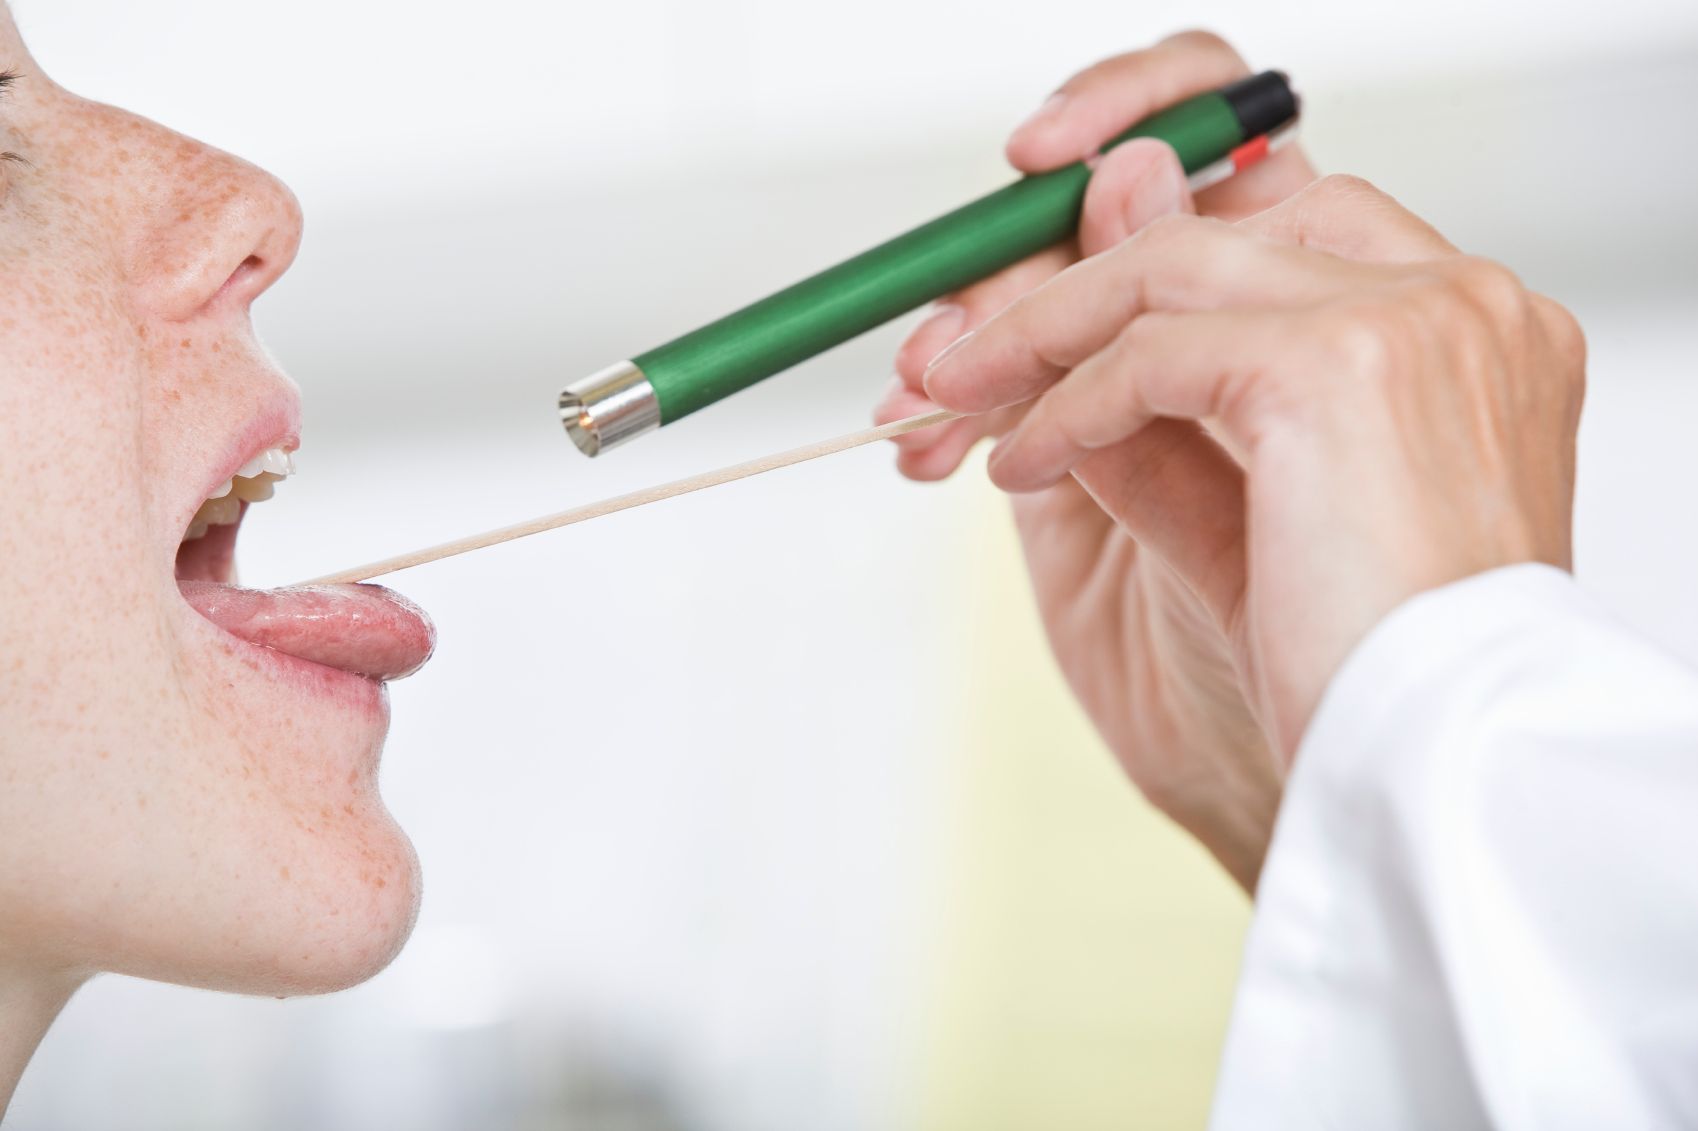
[935,453]
[940,459]
[1346,216]
[1103,100]
[1261,186]
[1134,184]
[972,306]
[1180,494]
[1186,365]
[1179,263]
[900,403]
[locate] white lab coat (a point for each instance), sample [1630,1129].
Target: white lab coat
[1480,908]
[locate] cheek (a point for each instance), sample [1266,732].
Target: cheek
[73,484]
[84,672]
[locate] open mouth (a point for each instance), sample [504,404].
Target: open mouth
[365,630]
[208,549]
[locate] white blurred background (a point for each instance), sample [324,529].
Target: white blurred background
[760,809]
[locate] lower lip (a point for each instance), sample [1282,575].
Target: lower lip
[348,632]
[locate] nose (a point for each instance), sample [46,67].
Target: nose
[214,232]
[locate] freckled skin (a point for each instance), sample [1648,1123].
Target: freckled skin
[171,805]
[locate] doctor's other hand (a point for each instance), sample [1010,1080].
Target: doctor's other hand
[1132,184]
[1399,415]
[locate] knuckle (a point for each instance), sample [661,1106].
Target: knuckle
[1109,71]
[1174,227]
[1202,39]
[1489,287]
[1273,394]
[1566,334]
[1343,190]
[1177,231]
[1264,393]
[1362,340]
[1568,342]
[1453,316]
[1175,255]
[1432,304]
[1355,218]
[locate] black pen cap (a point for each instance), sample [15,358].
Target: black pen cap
[1262,102]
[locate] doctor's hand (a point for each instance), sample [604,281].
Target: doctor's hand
[1138,647]
[1399,416]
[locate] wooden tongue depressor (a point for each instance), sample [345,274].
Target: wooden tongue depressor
[638,498]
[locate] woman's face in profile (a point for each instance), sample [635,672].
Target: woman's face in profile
[187,771]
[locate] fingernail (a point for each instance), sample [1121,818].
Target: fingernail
[1167,186]
[1178,184]
[1159,187]
[1051,106]
[941,358]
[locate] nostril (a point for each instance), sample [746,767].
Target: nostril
[245,270]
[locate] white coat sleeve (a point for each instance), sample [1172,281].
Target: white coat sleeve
[1480,908]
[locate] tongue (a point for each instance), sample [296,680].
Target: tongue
[364,629]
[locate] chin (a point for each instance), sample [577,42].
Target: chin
[274,866]
[371,917]
[335,917]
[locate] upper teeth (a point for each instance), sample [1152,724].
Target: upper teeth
[252,483]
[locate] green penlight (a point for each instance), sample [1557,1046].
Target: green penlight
[688,373]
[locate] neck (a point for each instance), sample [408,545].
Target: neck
[29,1001]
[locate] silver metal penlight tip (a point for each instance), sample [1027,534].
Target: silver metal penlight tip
[605,409]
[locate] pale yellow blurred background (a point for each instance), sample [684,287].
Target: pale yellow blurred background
[765,809]
[1086,949]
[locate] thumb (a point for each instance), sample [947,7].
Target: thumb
[1131,185]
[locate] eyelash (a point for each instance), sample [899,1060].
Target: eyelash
[7,78]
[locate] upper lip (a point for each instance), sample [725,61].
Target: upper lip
[277,424]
